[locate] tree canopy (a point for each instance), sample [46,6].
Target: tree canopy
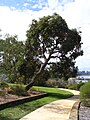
[12,55]
[50,39]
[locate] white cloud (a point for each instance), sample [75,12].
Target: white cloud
[14,21]
[53,3]
[37,6]
[26,4]
[76,14]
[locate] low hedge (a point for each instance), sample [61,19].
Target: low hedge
[75,86]
[85,94]
[3,84]
[19,90]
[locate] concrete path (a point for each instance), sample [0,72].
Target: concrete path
[57,110]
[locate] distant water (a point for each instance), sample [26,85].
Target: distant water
[84,76]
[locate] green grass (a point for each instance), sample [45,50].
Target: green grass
[17,112]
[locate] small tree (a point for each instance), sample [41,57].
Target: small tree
[12,54]
[49,39]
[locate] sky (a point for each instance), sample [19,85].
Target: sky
[16,15]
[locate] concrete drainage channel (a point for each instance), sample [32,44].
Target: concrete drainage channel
[74,115]
[22,100]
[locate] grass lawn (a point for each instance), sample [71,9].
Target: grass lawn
[17,112]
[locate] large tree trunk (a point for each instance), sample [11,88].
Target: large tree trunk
[37,74]
[33,81]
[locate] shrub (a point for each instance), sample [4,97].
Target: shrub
[72,86]
[79,85]
[75,86]
[4,84]
[56,83]
[2,92]
[3,88]
[51,83]
[18,90]
[85,94]
[62,83]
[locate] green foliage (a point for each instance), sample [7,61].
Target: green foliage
[56,83]
[12,54]
[75,86]
[27,69]
[4,84]
[65,68]
[3,88]
[50,38]
[2,92]
[17,112]
[51,35]
[41,81]
[53,92]
[18,90]
[51,83]
[85,94]
[80,85]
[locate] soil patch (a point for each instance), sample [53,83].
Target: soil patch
[9,97]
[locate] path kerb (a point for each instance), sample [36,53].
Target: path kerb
[57,110]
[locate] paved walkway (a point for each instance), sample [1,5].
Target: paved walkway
[57,110]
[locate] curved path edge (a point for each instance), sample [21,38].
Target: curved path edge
[57,110]
[74,114]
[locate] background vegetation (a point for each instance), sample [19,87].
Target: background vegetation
[75,86]
[16,112]
[49,39]
[85,94]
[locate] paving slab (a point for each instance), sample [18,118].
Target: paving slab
[57,110]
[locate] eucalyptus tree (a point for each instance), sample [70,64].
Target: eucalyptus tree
[12,55]
[49,39]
